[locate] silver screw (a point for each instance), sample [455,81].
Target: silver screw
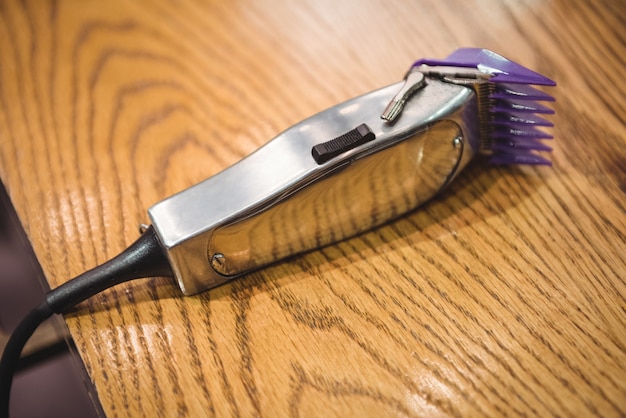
[218,260]
[457,142]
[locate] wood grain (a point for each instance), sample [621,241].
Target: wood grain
[504,296]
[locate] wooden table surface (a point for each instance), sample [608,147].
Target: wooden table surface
[504,296]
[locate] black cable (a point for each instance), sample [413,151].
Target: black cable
[144,258]
[13,349]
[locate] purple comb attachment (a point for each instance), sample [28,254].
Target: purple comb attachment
[509,119]
[517,105]
[520,91]
[519,144]
[518,132]
[515,118]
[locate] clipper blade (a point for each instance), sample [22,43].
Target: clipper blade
[509,107]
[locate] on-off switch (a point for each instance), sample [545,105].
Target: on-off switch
[350,140]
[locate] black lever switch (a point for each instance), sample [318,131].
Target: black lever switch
[350,140]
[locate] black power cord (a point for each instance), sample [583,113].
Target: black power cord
[144,258]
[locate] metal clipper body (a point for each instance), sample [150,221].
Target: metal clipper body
[336,174]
